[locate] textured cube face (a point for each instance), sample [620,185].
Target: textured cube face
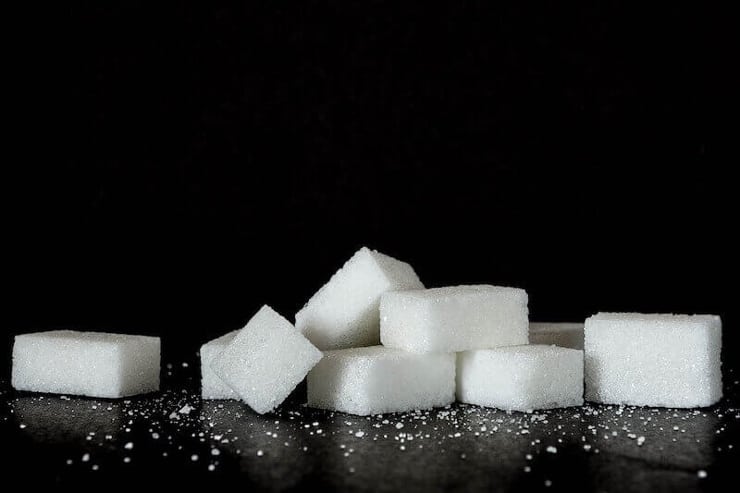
[376,380]
[265,360]
[653,360]
[454,318]
[569,335]
[212,387]
[344,312]
[93,364]
[521,378]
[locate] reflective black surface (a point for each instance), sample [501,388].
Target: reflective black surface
[174,439]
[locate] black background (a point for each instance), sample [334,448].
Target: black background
[172,168]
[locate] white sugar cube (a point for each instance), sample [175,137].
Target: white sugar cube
[265,360]
[653,360]
[212,387]
[454,318]
[521,378]
[344,312]
[94,364]
[375,380]
[568,335]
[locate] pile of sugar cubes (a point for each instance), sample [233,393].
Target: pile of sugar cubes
[373,340]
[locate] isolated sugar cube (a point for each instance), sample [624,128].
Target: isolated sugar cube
[653,360]
[265,360]
[94,364]
[568,335]
[454,318]
[521,378]
[375,380]
[344,312]
[212,387]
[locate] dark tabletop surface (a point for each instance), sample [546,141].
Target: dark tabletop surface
[174,438]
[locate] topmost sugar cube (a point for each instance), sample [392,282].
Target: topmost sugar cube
[653,360]
[344,312]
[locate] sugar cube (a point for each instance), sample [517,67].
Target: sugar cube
[212,387]
[375,380]
[454,318]
[344,312]
[521,378]
[568,335]
[653,360]
[94,364]
[265,360]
